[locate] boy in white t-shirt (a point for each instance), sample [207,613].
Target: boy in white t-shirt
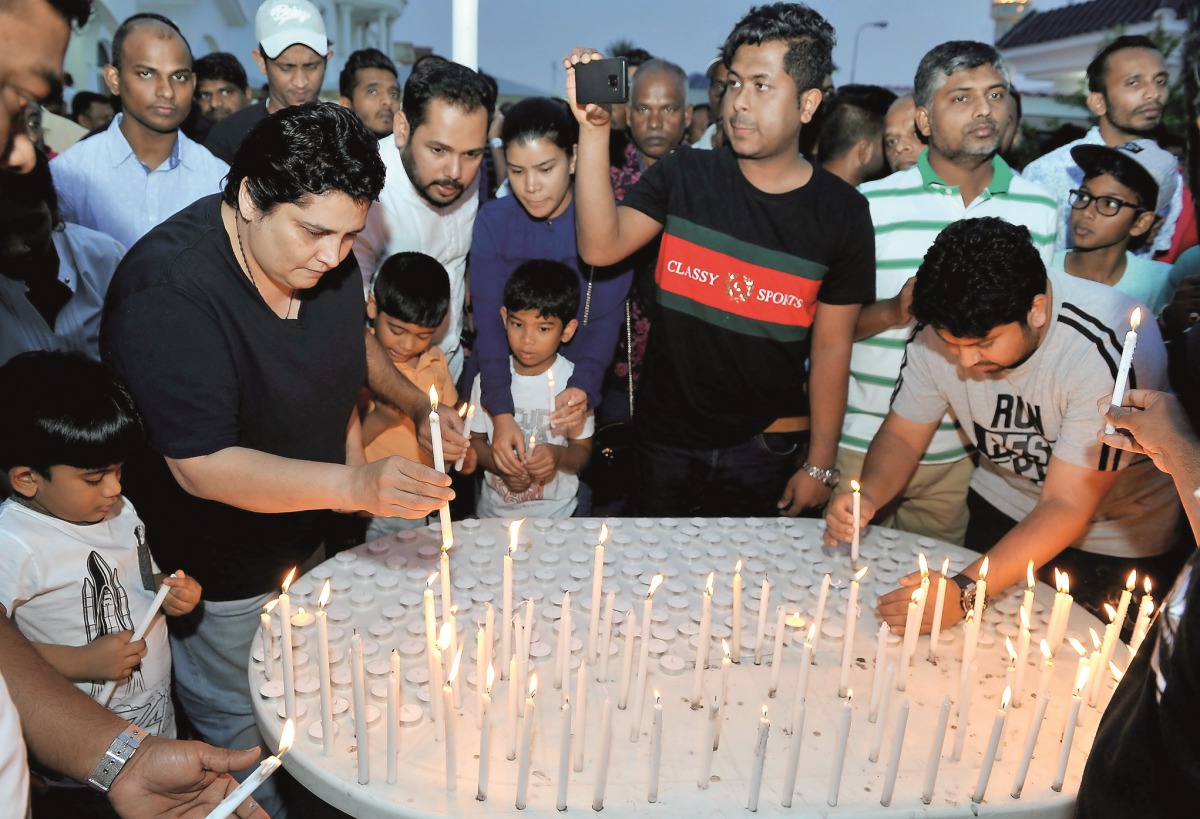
[75,572]
[541,299]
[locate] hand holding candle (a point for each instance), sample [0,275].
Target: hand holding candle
[265,768]
[1118,393]
[439,463]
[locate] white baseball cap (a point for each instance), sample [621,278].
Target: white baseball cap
[1147,168]
[280,24]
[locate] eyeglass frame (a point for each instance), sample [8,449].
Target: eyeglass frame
[1075,195]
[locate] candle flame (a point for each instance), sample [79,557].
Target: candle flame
[1066,583]
[444,635]
[270,607]
[1078,646]
[855,485]
[764,712]
[923,564]
[1004,701]
[1012,652]
[812,630]
[288,582]
[654,584]
[657,697]
[1117,673]
[1045,650]
[737,569]
[462,411]
[454,665]
[532,440]
[1132,581]
[433,397]
[513,529]
[453,611]
[849,695]
[970,615]
[300,612]
[983,569]
[708,587]
[532,685]
[1112,613]
[916,597]
[431,580]
[1095,638]
[725,647]
[1024,618]
[859,574]
[1081,679]
[1029,575]
[603,534]
[1146,584]
[323,600]
[286,737]
[946,567]
[491,677]
[1135,318]
[1058,580]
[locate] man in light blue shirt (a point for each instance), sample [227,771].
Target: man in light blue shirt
[141,170]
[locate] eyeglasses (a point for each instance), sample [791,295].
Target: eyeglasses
[1105,205]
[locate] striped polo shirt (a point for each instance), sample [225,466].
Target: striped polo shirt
[909,209]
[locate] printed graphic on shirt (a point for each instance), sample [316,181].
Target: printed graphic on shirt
[1015,439]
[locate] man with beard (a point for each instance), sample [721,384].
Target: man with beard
[1127,90]
[961,90]
[142,169]
[221,86]
[430,196]
[369,88]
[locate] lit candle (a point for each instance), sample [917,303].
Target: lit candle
[606,636]
[532,444]
[441,715]
[481,662]
[760,757]
[848,640]
[889,784]
[470,416]
[506,610]
[285,626]
[597,585]
[1060,612]
[1145,612]
[839,756]
[710,745]
[513,700]
[562,657]
[819,620]
[980,596]
[877,679]
[1064,755]
[802,683]
[580,729]
[923,565]
[430,618]
[360,709]
[737,612]
[1022,657]
[885,699]
[635,727]
[702,642]
[444,573]
[452,626]
[439,463]
[323,672]
[551,392]
[1110,638]
[777,651]
[1118,393]
[760,632]
[1047,669]
[267,632]
[856,510]
[935,751]
[1123,605]
[489,633]
[526,745]
[1093,664]
[793,759]
[966,678]
[564,754]
[1035,727]
[655,750]
[1027,602]
[935,632]
[627,657]
[726,661]
[912,627]
[485,736]
[261,774]
[606,732]
[989,757]
[393,716]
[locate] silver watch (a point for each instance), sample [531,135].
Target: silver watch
[114,759]
[830,477]
[968,587]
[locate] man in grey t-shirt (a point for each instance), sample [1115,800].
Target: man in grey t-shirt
[1021,358]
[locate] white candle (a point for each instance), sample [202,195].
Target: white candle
[110,687]
[1030,742]
[1123,605]
[777,651]
[323,672]
[360,709]
[580,729]
[452,625]
[1027,601]
[563,653]
[839,755]
[430,617]
[285,627]
[703,642]
[1110,638]
[1118,393]
[470,416]
[856,510]
[393,717]
[444,574]
[989,756]
[481,662]
[448,713]
[506,610]
[710,745]
[267,632]
[606,636]
[924,567]
[597,585]
[606,732]
[551,392]
[526,745]
[655,750]
[935,632]
[877,734]
[439,463]
[440,715]
[1022,658]
[1064,755]
[513,700]
[964,709]
[1145,612]
[489,633]
[848,640]
[261,774]
[564,755]
[912,627]
[485,736]
[822,598]
[889,783]
[737,613]
[802,683]
[725,667]
[1047,669]
[760,632]
[877,679]
[935,751]
[760,757]
[627,658]
[793,759]
[980,596]
[1060,613]
[635,728]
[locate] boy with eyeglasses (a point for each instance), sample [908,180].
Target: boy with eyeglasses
[1120,203]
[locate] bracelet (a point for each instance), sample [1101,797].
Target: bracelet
[830,477]
[114,759]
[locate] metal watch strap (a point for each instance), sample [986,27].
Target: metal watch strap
[114,759]
[825,476]
[967,586]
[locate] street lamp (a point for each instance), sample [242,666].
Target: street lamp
[857,34]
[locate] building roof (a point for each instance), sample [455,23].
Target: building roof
[1084,18]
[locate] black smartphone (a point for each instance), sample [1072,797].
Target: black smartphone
[602,81]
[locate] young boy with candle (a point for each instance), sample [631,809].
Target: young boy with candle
[1124,192]
[541,299]
[76,575]
[406,306]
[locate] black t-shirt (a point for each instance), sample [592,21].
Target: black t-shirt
[224,139]
[738,277]
[1145,761]
[210,367]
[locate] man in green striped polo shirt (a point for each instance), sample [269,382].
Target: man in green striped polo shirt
[961,91]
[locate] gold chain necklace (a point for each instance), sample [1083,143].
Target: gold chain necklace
[237,228]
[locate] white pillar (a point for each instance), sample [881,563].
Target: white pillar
[465,43]
[385,32]
[345,29]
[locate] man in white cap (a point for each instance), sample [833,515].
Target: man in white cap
[293,51]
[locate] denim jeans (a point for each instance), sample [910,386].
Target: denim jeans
[210,650]
[744,480]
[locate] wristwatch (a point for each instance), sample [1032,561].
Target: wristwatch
[967,585]
[829,477]
[114,759]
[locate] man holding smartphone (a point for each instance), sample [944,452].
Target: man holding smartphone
[765,262]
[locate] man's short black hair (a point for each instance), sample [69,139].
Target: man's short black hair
[540,118]
[222,66]
[949,58]
[306,150]
[978,275]
[135,21]
[1097,70]
[363,58]
[854,113]
[809,36]
[450,82]
[64,409]
[83,100]
[548,287]
[26,191]
[75,12]
[414,288]
[635,57]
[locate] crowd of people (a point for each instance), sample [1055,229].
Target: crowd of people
[224,323]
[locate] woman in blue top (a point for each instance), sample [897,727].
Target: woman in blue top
[538,222]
